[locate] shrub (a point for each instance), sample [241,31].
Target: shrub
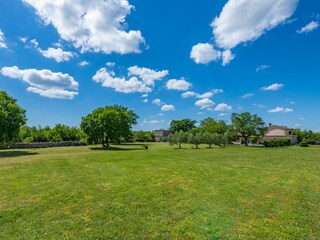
[282,142]
[304,143]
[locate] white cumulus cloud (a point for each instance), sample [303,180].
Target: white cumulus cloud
[280,110]
[204,53]
[57,54]
[227,57]
[244,21]
[247,95]
[147,75]
[157,101]
[167,107]
[108,79]
[204,103]
[309,27]
[44,82]
[273,87]
[210,94]
[83,63]
[223,107]
[181,85]
[2,40]
[95,25]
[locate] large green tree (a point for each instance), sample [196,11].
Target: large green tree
[108,123]
[247,125]
[210,125]
[184,125]
[12,117]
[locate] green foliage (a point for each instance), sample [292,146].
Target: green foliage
[246,125]
[184,125]
[281,142]
[196,138]
[142,136]
[178,138]
[304,143]
[108,123]
[12,117]
[58,133]
[307,135]
[209,125]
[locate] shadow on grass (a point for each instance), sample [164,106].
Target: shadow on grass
[6,154]
[137,147]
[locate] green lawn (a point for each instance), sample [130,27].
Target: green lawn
[160,193]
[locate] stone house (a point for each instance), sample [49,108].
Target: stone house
[161,135]
[276,132]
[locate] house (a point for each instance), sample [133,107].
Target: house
[276,132]
[161,135]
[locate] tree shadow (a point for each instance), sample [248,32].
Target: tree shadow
[8,154]
[141,147]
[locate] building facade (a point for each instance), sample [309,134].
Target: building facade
[277,132]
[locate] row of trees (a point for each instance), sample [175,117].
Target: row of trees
[197,137]
[58,133]
[243,125]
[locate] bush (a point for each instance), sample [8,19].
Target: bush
[282,142]
[304,143]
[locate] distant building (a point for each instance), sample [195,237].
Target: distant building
[276,132]
[161,135]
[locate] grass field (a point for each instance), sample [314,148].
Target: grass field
[160,193]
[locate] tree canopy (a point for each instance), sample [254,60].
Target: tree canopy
[210,125]
[184,125]
[108,123]
[247,125]
[12,117]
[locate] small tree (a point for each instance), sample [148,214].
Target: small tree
[247,125]
[195,138]
[209,138]
[184,125]
[178,138]
[12,117]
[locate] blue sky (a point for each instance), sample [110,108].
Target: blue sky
[164,59]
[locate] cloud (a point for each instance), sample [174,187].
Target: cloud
[57,54]
[223,107]
[53,93]
[108,79]
[167,107]
[280,110]
[189,94]
[259,105]
[110,64]
[204,103]
[203,95]
[33,43]
[246,20]
[145,100]
[153,121]
[181,85]
[204,53]
[273,87]
[157,101]
[92,26]
[144,95]
[83,63]
[309,27]
[23,39]
[262,68]
[2,40]
[147,75]
[44,82]
[247,95]
[227,57]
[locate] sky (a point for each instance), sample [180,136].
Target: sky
[163,59]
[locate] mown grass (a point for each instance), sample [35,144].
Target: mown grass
[160,193]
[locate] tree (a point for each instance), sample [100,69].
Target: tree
[178,138]
[195,138]
[210,125]
[247,125]
[184,125]
[108,123]
[12,117]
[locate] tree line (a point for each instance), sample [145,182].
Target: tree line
[114,124]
